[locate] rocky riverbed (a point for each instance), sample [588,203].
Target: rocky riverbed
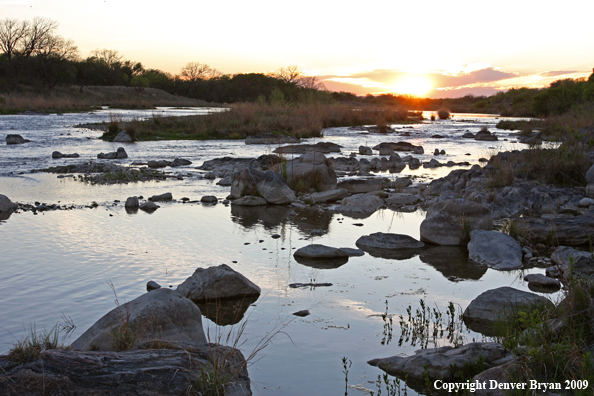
[410,210]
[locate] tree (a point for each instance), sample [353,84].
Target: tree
[289,74]
[194,71]
[110,57]
[38,35]
[12,33]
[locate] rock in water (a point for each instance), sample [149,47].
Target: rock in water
[220,282]
[495,250]
[16,139]
[317,251]
[162,314]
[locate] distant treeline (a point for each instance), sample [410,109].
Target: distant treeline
[34,55]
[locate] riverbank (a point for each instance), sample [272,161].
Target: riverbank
[75,99]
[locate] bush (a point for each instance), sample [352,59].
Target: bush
[443,114]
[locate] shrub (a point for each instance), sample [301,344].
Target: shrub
[443,114]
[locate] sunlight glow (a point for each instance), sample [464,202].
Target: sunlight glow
[412,84]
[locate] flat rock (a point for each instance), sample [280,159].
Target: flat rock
[219,282]
[353,252]
[403,199]
[161,197]
[149,206]
[270,138]
[444,362]
[566,231]
[390,246]
[356,186]
[161,314]
[540,280]
[484,311]
[317,251]
[359,205]
[320,147]
[249,200]
[329,196]
[495,249]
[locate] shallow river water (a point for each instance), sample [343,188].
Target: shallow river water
[61,263]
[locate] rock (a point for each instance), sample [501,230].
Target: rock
[162,314]
[400,183]
[312,169]
[329,196]
[403,199]
[586,202]
[226,181]
[249,200]
[484,311]
[162,197]
[6,205]
[503,374]
[485,135]
[565,257]
[173,370]
[468,135]
[220,282]
[58,155]
[158,164]
[119,154]
[399,146]
[269,185]
[450,222]
[590,175]
[16,139]
[132,203]
[445,362]
[364,150]
[495,249]
[302,313]
[209,199]
[152,285]
[356,186]
[386,150]
[320,147]
[353,252]
[180,162]
[433,163]
[317,251]
[123,137]
[359,204]
[542,281]
[149,206]
[270,138]
[436,152]
[390,246]
[568,231]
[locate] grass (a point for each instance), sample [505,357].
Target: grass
[30,347]
[302,120]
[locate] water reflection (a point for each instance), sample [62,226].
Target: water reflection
[226,312]
[452,262]
[270,216]
[322,263]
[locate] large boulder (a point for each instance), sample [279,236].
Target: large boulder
[364,150]
[6,205]
[568,231]
[16,139]
[173,369]
[162,314]
[359,205]
[215,283]
[450,222]
[445,362]
[311,170]
[357,186]
[495,250]
[484,312]
[269,185]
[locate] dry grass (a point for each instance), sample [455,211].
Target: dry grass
[248,119]
[70,99]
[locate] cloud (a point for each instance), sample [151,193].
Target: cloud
[556,73]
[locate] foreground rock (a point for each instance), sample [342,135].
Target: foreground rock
[176,369]
[450,222]
[445,362]
[162,314]
[214,283]
[567,257]
[391,246]
[16,139]
[494,249]
[483,313]
[269,185]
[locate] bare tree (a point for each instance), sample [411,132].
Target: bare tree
[38,35]
[110,57]
[289,74]
[194,71]
[12,33]
[311,82]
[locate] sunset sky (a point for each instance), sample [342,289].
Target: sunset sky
[430,48]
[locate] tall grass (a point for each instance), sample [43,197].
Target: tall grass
[301,120]
[28,348]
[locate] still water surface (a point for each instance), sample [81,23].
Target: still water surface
[60,263]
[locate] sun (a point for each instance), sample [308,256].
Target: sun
[412,84]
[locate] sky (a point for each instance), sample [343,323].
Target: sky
[425,48]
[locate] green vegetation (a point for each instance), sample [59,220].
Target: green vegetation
[248,119]
[29,348]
